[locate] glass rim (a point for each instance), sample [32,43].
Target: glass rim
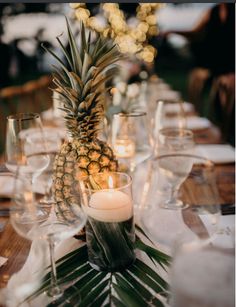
[23,116]
[187,132]
[131,114]
[209,162]
[82,178]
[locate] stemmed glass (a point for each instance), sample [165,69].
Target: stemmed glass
[172,171]
[53,142]
[25,155]
[63,220]
[182,199]
[175,140]
[170,141]
[131,138]
[160,118]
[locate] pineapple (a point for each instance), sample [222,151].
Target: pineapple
[82,89]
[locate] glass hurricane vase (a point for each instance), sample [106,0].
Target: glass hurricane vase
[107,200]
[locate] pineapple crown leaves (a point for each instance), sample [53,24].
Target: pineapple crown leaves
[81,81]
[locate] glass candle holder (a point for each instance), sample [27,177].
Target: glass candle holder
[110,236]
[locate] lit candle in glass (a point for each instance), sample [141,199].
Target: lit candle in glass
[110,205]
[124,148]
[110,225]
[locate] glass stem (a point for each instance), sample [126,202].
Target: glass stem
[54,290]
[172,196]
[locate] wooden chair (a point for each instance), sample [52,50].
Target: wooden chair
[33,96]
[222,98]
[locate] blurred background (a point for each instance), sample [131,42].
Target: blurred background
[196,56]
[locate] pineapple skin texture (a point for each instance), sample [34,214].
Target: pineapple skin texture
[77,159]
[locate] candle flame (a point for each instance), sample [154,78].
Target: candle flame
[110,182]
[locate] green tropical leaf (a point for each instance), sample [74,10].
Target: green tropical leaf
[100,300]
[116,302]
[153,254]
[149,297]
[128,296]
[137,286]
[92,295]
[157,283]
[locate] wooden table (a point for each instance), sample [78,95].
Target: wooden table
[16,248]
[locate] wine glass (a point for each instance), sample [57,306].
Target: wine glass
[161,118]
[23,154]
[172,171]
[182,199]
[175,140]
[131,139]
[53,142]
[63,221]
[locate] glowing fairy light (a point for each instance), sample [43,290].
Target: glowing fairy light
[129,40]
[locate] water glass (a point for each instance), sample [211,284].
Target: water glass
[175,140]
[182,200]
[59,222]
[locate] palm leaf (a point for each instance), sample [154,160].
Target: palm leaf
[137,286]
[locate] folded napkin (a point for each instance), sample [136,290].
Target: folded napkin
[61,132]
[218,153]
[225,236]
[55,116]
[192,122]
[6,185]
[168,95]
[178,107]
[28,279]
[3,260]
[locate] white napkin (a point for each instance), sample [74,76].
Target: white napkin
[61,132]
[48,114]
[192,122]
[217,153]
[225,236]
[56,117]
[6,185]
[176,107]
[3,260]
[27,280]
[168,95]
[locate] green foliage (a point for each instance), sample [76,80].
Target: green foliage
[137,286]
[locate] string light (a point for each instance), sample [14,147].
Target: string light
[131,40]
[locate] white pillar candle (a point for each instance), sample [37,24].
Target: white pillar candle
[110,206]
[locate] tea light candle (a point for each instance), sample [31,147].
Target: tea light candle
[110,206]
[124,148]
